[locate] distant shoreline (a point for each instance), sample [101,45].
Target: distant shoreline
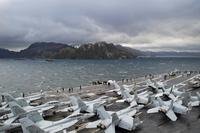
[52,59]
[98,50]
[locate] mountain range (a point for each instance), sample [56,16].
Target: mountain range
[98,50]
[53,50]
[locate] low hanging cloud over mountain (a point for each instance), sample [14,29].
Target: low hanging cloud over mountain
[142,24]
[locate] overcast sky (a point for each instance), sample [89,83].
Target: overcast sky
[142,24]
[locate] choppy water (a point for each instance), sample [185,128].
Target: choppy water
[34,75]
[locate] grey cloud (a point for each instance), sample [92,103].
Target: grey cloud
[143,24]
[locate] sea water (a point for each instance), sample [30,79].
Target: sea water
[33,75]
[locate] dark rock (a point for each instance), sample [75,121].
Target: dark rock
[4,53]
[52,50]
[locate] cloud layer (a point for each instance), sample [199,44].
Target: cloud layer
[143,24]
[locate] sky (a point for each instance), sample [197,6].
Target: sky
[156,25]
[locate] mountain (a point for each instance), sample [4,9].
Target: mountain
[46,50]
[52,50]
[131,50]
[103,50]
[98,50]
[4,53]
